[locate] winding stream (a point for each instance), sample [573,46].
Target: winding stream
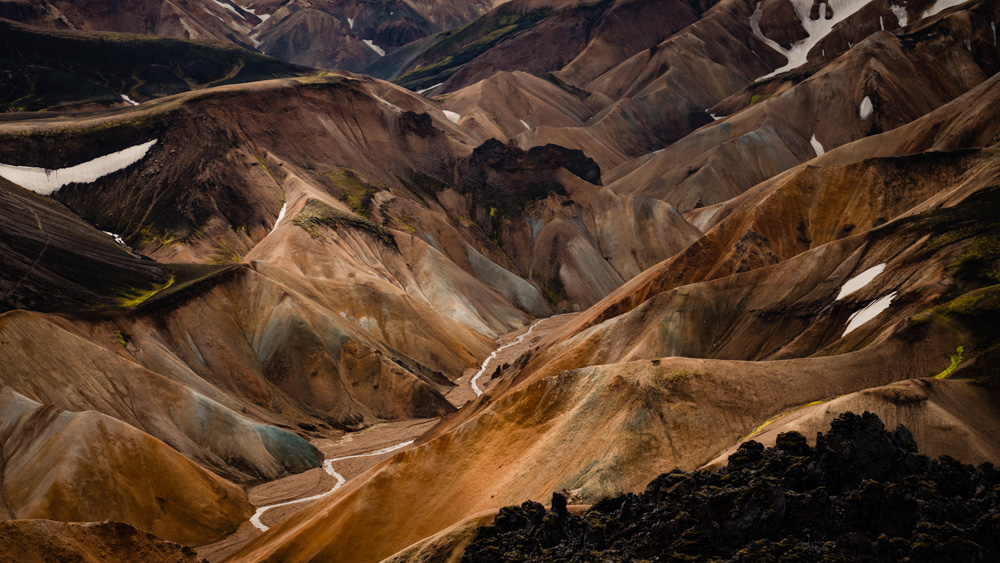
[486,362]
[328,463]
[328,466]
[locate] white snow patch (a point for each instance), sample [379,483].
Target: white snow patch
[378,50]
[452,116]
[993,26]
[263,18]
[859,281]
[816,29]
[44,181]
[486,362]
[868,313]
[866,108]
[429,88]
[281,215]
[230,8]
[968,45]
[129,100]
[881,24]
[350,22]
[118,239]
[713,116]
[816,145]
[328,467]
[900,13]
[525,123]
[940,6]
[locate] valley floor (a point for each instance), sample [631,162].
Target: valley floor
[378,437]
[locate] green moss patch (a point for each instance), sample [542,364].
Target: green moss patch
[458,47]
[317,215]
[354,189]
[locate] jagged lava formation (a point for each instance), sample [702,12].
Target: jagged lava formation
[861,494]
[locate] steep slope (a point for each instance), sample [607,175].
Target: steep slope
[553,427]
[947,417]
[957,125]
[337,34]
[58,70]
[51,259]
[59,465]
[390,155]
[184,416]
[896,74]
[561,429]
[38,541]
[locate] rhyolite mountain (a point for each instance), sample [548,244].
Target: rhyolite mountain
[242,242]
[345,34]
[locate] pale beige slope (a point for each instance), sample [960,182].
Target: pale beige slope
[414,271]
[585,251]
[783,311]
[40,357]
[603,430]
[946,417]
[658,95]
[500,105]
[80,467]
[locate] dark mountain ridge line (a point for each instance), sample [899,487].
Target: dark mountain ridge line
[49,70]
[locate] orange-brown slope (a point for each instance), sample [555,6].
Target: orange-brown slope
[42,541]
[41,353]
[60,465]
[596,431]
[947,417]
[605,429]
[959,124]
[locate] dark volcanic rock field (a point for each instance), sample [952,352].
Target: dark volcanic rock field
[862,494]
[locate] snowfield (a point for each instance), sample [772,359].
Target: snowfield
[817,29]
[816,145]
[46,182]
[859,281]
[866,108]
[378,50]
[868,313]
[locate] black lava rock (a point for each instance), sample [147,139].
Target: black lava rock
[862,494]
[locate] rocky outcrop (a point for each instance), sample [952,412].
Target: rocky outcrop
[862,494]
